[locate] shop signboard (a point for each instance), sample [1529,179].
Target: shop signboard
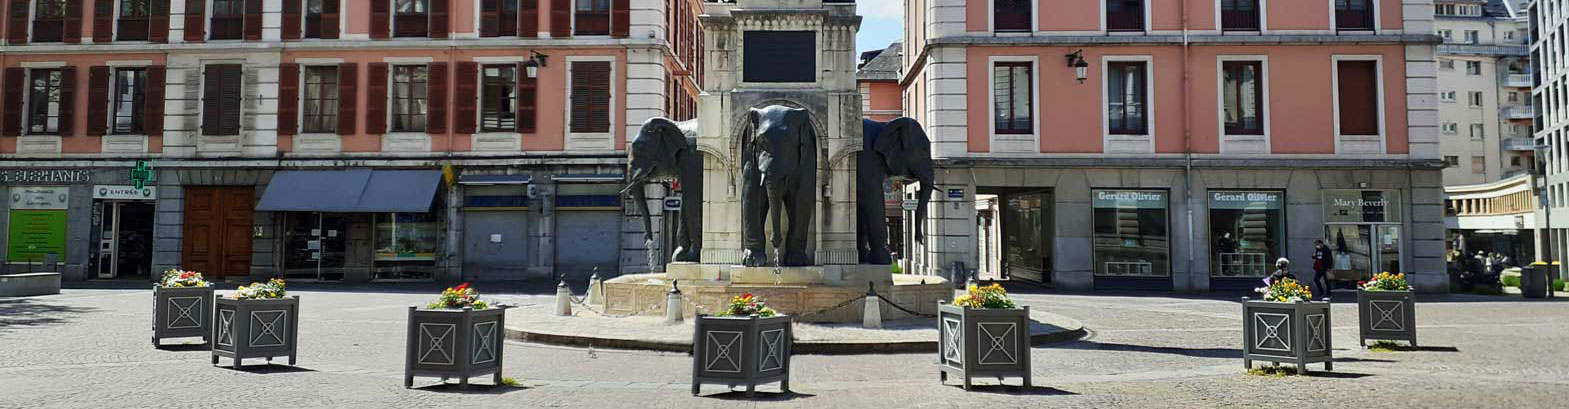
[1130,199]
[115,192]
[37,222]
[1361,206]
[1246,200]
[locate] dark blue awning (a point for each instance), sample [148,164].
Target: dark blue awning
[352,190]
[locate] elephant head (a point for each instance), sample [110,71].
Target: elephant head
[783,140]
[906,153]
[655,153]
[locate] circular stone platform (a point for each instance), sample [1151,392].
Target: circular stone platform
[539,323]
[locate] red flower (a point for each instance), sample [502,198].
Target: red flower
[463,286]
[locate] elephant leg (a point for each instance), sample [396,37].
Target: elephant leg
[799,205]
[754,208]
[877,232]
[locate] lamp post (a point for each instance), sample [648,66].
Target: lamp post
[1545,232]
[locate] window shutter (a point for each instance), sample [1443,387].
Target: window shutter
[376,99]
[439,19]
[11,123]
[288,99]
[527,91]
[103,21]
[380,20]
[560,18]
[436,99]
[1358,98]
[67,100]
[232,83]
[73,21]
[253,20]
[329,23]
[17,27]
[620,24]
[98,100]
[158,32]
[528,18]
[195,22]
[292,19]
[152,100]
[212,89]
[348,97]
[466,101]
[490,19]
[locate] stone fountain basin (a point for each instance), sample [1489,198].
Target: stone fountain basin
[645,294]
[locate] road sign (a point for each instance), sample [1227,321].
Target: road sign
[673,203]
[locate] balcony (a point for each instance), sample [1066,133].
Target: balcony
[1517,80]
[1517,112]
[1518,143]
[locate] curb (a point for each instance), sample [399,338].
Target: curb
[799,347]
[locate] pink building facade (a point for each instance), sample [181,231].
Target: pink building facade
[1178,144]
[277,132]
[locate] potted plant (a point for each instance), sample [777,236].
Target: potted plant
[1386,309]
[1286,325]
[983,334]
[457,336]
[747,344]
[182,306]
[258,321]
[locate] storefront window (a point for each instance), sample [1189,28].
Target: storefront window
[406,245]
[1362,227]
[1247,232]
[1131,235]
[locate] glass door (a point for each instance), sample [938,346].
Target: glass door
[1388,249]
[314,245]
[1026,239]
[1352,245]
[109,213]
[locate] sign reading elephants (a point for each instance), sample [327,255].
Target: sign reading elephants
[44,176]
[779,56]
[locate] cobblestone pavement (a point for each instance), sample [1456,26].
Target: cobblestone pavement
[90,348]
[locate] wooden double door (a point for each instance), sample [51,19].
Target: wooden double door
[218,225]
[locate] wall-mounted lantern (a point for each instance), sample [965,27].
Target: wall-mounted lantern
[1081,68]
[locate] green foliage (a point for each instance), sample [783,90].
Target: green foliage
[991,296]
[510,381]
[1558,285]
[897,269]
[746,305]
[1275,371]
[1511,281]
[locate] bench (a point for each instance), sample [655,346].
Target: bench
[26,284]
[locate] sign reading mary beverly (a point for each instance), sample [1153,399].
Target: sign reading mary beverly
[1361,206]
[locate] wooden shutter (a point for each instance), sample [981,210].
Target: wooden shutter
[212,87]
[253,20]
[152,101]
[620,24]
[158,22]
[439,19]
[11,123]
[590,97]
[329,22]
[103,22]
[560,18]
[436,99]
[233,82]
[67,99]
[1358,85]
[380,20]
[376,99]
[292,18]
[348,97]
[490,18]
[17,27]
[527,100]
[195,21]
[98,100]
[465,102]
[288,99]
[73,22]
[221,99]
[528,18]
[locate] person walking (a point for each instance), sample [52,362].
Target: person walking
[1322,258]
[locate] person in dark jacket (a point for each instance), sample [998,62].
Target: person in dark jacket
[1323,257]
[1282,270]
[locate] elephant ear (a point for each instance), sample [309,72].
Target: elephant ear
[672,141]
[893,145]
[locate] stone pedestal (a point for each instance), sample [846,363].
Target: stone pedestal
[693,271]
[776,275]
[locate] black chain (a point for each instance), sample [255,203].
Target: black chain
[907,310]
[825,310]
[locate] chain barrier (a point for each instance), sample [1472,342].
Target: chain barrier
[907,310]
[825,310]
[583,302]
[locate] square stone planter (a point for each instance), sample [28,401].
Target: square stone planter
[1278,332]
[742,351]
[1386,315]
[255,329]
[455,344]
[982,342]
[180,312]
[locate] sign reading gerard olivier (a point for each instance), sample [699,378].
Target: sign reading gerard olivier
[1246,200]
[40,197]
[44,176]
[1130,199]
[124,192]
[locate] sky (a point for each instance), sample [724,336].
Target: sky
[882,23]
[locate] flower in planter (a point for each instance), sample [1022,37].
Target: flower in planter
[1286,290]
[746,305]
[991,296]
[271,290]
[173,278]
[1386,282]
[458,297]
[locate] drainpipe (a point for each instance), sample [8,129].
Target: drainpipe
[1187,139]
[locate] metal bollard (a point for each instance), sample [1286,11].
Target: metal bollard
[673,304]
[872,315]
[596,290]
[563,299]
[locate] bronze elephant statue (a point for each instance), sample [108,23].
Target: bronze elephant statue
[664,149]
[899,149]
[779,183]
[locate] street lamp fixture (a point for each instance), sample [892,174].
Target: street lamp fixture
[1081,68]
[534,62]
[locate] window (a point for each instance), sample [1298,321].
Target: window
[1248,232]
[1013,97]
[1448,35]
[1451,128]
[316,11]
[1478,132]
[1011,15]
[1239,15]
[129,86]
[1514,161]
[1125,98]
[49,21]
[320,100]
[1446,96]
[1446,64]
[1471,37]
[1124,15]
[1452,160]
[1514,96]
[221,93]
[498,109]
[44,101]
[1242,93]
[1475,99]
[592,17]
[499,18]
[590,97]
[228,19]
[133,21]
[1357,86]
[1473,68]
[408,97]
[1354,14]
[411,18]
[1131,235]
[1478,165]
[406,245]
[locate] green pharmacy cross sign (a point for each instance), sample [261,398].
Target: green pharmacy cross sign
[141,174]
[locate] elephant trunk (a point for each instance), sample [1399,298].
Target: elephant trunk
[775,214]
[923,196]
[641,200]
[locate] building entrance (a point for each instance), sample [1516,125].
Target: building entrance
[125,244]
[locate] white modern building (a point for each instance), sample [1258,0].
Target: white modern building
[1549,28]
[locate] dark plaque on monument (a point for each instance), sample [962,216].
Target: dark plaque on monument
[780,56]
